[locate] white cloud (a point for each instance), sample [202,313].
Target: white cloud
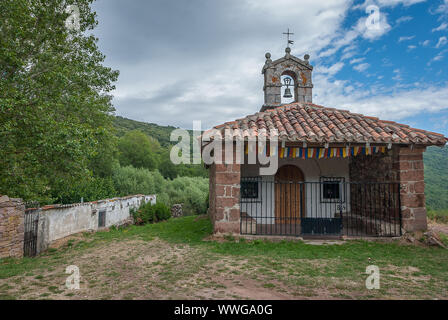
[216,74]
[349,52]
[401,39]
[425,43]
[358,60]
[411,47]
[439,57]
[443,8]
[387,3]
[442,27]
[361,67]
[332,70]
[397,76]
[393,3]
[379,101]
[442,41]
[403,19]
[221,81]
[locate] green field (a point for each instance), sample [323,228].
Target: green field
[177,260]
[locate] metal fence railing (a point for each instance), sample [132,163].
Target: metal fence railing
[330,207]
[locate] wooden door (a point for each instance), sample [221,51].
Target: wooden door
[289,195]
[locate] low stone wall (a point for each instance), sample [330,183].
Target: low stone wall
[59,221]
[11,227]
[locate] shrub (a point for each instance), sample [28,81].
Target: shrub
[144,214]
[191,192]
[162,212]
[148,213]
[129,181]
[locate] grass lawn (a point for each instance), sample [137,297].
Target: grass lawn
[171,260]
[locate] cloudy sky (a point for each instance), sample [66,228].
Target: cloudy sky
[185,60]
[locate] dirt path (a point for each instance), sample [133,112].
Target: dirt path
[439,227]
[137,269]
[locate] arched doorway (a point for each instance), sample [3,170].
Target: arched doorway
[289,197]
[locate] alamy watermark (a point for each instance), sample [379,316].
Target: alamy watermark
[72,281]
[233,146]
[373,280]
[373,20]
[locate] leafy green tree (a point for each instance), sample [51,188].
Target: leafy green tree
[55,103]
[166,167]
[130,180]
[138,150]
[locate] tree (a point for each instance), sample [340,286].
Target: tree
[55,103]
[138,150]
[166,166]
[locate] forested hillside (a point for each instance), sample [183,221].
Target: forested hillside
[436,178]
[161,133]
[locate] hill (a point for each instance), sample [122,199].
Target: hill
[436,178]
[161,133]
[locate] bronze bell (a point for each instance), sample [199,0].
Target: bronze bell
[287,94]
[287,82]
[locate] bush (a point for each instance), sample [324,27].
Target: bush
[162,212]
[129,181]
[148,213]
[192,193]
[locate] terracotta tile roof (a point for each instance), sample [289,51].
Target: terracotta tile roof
[307,122]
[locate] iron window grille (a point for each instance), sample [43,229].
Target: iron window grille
[250,189]
[331,190]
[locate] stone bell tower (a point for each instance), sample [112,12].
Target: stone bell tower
[299,70]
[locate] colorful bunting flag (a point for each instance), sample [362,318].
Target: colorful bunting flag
[313,153]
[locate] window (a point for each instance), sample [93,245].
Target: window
[331,189]
[249,189]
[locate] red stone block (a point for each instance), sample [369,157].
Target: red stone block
[221,168]
[404,165]
[406,213]
[412,175]
[413,200]
[236,168]
[227,178]
[227,227]
[220,191]
[418,165]
[236,192]
[219,214]
[226,202]
[414,151]
[411,157]
[419,187]
[234,215]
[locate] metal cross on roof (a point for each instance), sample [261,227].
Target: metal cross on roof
[289,40]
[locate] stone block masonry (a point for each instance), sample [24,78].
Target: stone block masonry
[409,166]
[11,227]
[225,198]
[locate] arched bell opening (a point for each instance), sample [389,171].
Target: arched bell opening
[288,92]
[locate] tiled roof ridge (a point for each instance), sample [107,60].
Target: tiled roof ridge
[320,107]
[309,122]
